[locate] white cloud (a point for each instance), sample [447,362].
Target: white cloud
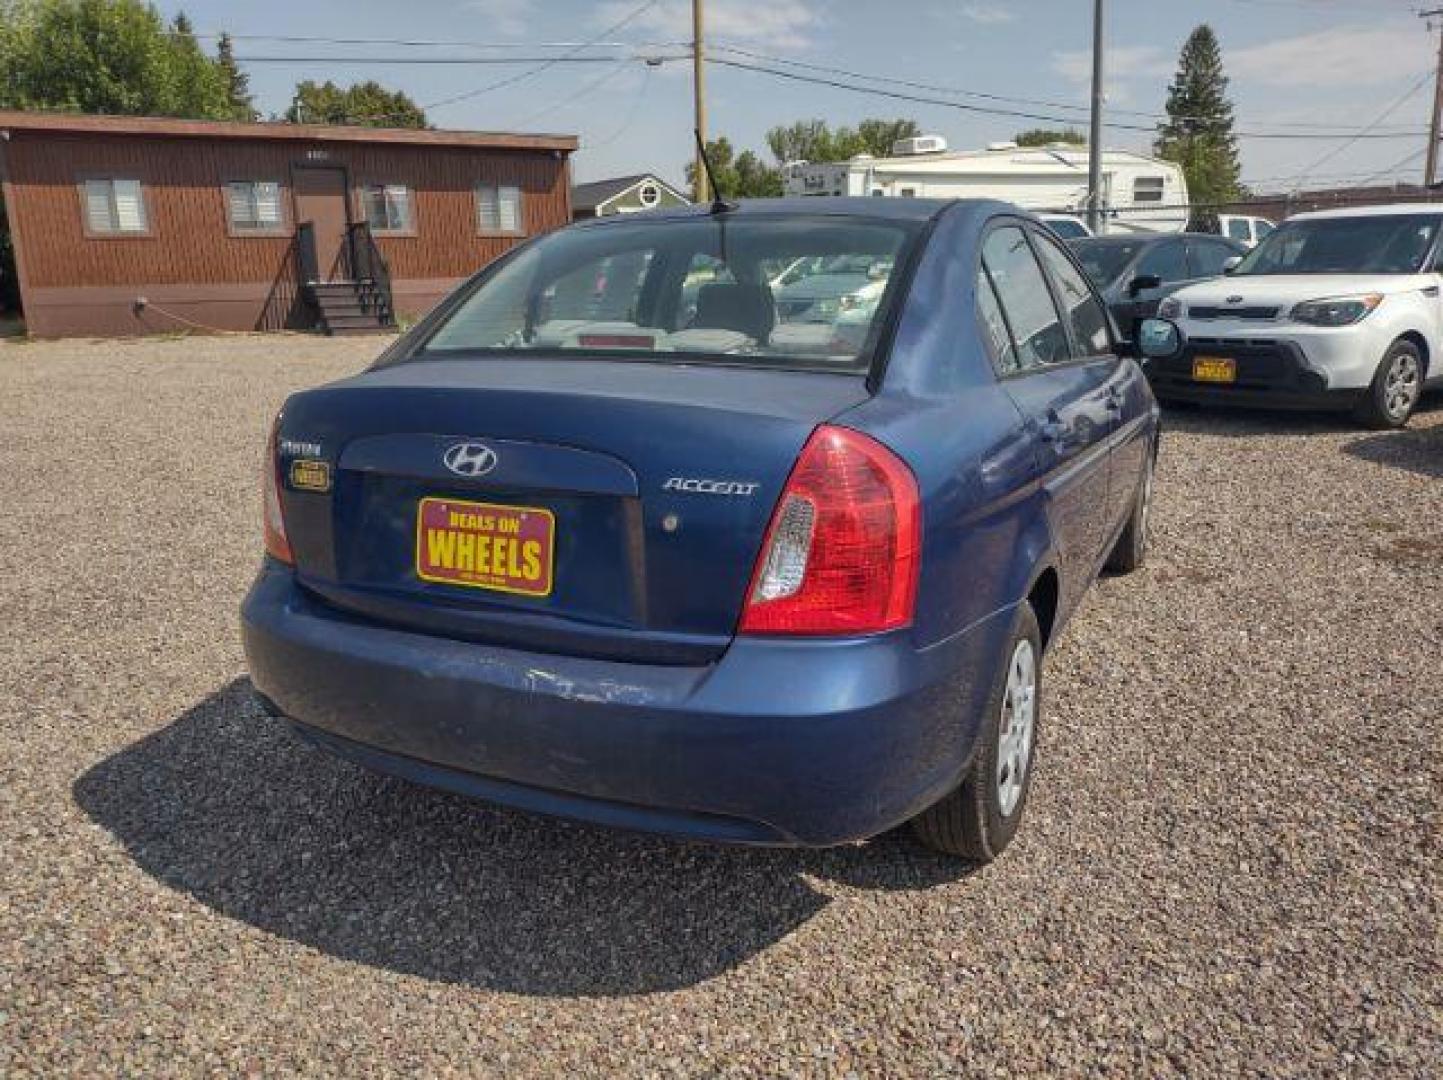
[988,14]
[778,24]
[509,18]
[1341,56]
[1120,62]
[1123,63]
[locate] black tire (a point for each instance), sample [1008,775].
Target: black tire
[971,821]
[1130,551]
[1396,387]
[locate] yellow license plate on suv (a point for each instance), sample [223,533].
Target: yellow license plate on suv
[1214,369]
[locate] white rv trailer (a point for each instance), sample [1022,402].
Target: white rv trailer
[1140,193]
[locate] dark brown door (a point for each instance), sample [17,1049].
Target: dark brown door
[321,200]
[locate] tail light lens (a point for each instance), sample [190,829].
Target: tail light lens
[277,545]
[844,545]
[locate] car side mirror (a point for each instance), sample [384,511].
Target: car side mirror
[1158,339]
[1231,263]
[1142,283]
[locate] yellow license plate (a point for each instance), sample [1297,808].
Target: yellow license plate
[1214,369]
[485,545]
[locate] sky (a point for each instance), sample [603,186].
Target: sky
[1319,67]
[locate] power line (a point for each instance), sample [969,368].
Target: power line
[1397,102]
[1414,156]
[1005,98]
[631,113]
[582,90]
[636,13]
[306,39]
[1016,113]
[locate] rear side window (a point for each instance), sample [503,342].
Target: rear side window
[1024,296]
[1208,258]
[1089,320]
[994,325]
[1166,260]
[1238,230]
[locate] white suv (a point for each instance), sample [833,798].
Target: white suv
[1336,309]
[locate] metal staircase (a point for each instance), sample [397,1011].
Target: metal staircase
[359,300]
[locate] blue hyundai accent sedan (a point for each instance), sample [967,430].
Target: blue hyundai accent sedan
[612,534]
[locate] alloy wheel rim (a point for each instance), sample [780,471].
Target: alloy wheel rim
[1016,726]
[1400,386]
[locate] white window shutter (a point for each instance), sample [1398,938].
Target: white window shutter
[267,204]
[238,196]
[509,209]
[488,209]
[129,206]
[398,204]
[97,206]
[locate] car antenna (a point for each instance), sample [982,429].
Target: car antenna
[718,204]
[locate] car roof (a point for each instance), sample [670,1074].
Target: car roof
[897,209]
[1385,210]
[1155,238]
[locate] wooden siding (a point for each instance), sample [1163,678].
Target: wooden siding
[189,242]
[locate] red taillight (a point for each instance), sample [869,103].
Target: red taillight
[845,541]
[277,545]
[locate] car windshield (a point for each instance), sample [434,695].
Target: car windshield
[1105,260]
[1368,244]
[772,290]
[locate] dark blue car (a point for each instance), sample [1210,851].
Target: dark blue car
[605,536]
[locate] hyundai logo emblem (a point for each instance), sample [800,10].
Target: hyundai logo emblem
[1234,300]
[469,459]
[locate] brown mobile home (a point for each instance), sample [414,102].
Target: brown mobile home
[126,225]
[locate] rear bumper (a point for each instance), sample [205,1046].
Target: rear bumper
[778,742]
[1270,373]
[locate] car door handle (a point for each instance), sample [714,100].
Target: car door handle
[1115,399]
[1053,430]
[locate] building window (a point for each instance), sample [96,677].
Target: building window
[254,205]
[114,206]
[498,208]
[1148,189]
[388,207]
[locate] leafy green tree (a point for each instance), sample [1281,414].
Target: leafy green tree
[237,82]
[105,56]
[744,176]
[877,137]
[814,140]
[1198,131]
[366,104]
[1048,136]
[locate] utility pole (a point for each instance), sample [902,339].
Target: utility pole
[698,85]
[1094,140]
[1430,171]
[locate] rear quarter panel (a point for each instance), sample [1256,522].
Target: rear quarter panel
[939,405]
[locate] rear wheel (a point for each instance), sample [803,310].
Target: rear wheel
[1130,551]
[1398,384]
[980,817]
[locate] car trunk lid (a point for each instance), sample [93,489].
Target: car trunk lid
[643,489]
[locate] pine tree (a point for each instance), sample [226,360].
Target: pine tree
[1198,132]
[238,83]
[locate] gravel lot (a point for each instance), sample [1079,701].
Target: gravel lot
[1231,860]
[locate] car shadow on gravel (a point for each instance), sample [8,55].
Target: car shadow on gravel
[227,805]
[1418,450]
[1243,422]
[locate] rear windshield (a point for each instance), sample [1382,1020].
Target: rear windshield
[789,291]
[1376,244]
[1105,260]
